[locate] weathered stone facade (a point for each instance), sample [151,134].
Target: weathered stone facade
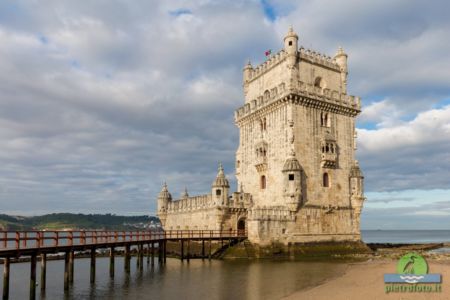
[298,180]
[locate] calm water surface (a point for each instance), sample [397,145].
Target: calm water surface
[201,279]
[179,280]
[406,236]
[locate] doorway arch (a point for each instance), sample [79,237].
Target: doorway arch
[241,226]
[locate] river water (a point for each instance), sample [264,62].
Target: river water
[230,279]
[178,280]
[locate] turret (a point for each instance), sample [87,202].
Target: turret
[164,198]
[292,182]
[291,46]
[341,60]
[247,71]
[356,181]
[220,188]
[357,192]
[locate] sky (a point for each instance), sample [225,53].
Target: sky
[103,101]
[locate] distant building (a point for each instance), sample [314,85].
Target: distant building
[297,177]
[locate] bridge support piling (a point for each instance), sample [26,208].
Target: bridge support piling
[148,254]
[127,258]
[92,265]
[138,255]
[111,262]
[141,257]
[71,266]
[188,254]
[33,277]
[182,250]
[209,254]
[203,249]
[6,267]
[153,254]
[165,251]
[160,251]
[66,270]
[43,271]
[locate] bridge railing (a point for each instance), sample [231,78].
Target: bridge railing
[37,239]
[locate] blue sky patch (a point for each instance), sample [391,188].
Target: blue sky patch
[43,39]
[269,10]
[180,11]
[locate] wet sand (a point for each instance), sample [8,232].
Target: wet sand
[365,281]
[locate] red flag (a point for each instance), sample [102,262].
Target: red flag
[268,52]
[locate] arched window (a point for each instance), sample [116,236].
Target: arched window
[266,95]
[218,192]
[263,182]
[326,180]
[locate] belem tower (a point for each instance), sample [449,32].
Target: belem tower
[297,177]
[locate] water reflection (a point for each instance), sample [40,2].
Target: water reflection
[178,280]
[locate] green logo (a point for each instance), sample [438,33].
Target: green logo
[412,263]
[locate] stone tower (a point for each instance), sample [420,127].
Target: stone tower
[297,177]
[296,153]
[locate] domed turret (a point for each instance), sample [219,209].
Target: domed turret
[164,198]
[291,165]
[247,71]
[341,60]
[221,180]
[220,188]
[291,47]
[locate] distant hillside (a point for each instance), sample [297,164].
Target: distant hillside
[62,221]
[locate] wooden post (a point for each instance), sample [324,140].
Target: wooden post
[161,251]
[71,265]
[209,255]
[182,249]
[138,255]
[66,270]
[127,258]
[92,264]
[148,254]
[153,254]
[203,248]
[33,277]
[6,262]
[165,250]
[188,254]
[43,271]
[141,257]
[111,262]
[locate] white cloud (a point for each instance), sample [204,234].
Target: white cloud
[99,104]
[425,130]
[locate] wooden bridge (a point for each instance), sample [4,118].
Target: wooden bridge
[15,245]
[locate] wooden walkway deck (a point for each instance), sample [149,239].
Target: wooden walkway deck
[15,245]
